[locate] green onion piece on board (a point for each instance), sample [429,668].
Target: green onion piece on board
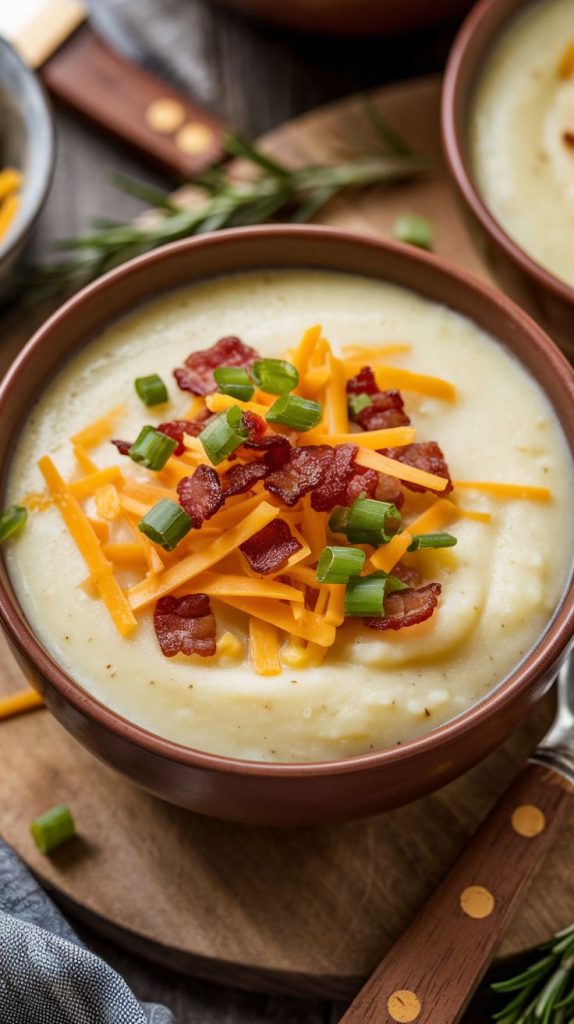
[357,403]
[275,376]
[414,230]
[234,381]
[151,448]
[151,390]
[372,522]
[365,595]
[223,435]
[53,828]
[338,519]
[12,521]
[298,413]
[337,565]
[166,524]
[432,540]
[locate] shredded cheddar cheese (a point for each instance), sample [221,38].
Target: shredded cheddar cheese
[17,703]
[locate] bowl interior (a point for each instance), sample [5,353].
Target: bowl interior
[264,248]
[26,137]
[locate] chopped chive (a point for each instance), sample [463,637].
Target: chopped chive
[12,521]
[223,435]
[151,448]
[275,376]
[166,524]
[298,413]
[431,540]
[372,522]
[336,564]
[151,390]
[414,230]
[357,403]
[365,595]
[53,828]
[234,381]
[338,519]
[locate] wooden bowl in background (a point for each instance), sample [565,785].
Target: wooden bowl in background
[351,17]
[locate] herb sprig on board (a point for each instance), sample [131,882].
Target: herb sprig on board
[264,189]
[544,992]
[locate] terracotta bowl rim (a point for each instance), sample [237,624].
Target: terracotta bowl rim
[24,224]
[520,681]
[454,145]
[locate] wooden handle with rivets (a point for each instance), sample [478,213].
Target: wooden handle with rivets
[433,969]
[133,105]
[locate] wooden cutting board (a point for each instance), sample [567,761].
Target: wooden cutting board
[306,911]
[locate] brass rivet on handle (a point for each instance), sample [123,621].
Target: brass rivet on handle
[165,115]
[404,1005]
[194,138]
[476,902]
[528,820]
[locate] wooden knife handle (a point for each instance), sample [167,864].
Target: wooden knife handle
[133,105]
[433,969]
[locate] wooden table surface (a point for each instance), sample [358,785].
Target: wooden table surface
[260,77]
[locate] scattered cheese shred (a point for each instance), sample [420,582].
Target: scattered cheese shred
[371,354]
[500,490]
[86,464]
[227,585]
[99,430]
[150,590]
[125,554]
[107,502]
[264,647]
[17,703]
[392,437]
[87,485]
[89,547]
[219,403]
[406,380]
[565,67]
[388,555]
[303,353]
[335,412]
[309,627]
[392,467]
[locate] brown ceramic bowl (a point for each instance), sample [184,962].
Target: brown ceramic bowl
[263,792]
[351,17]
[546,297]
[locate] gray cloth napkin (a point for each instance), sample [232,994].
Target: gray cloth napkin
[47,976]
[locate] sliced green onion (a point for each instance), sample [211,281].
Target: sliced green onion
[151,390]
[414,230]
[12,521]
[275,376]
[298,413]
[372,522]
[336,565]
[431,540]
[166,524]
[357,403]
[151,448]
[234,381]
[338,519]
[365,595]
[53,828]
[223,435]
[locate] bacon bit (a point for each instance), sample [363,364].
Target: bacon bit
[407,574]
[300,473]
[242,478]
[269,549]
[254,424]
[407,608]
[197,374]
[337,474]
[568,139]
[363,483]
[185,625]
[177,428]
[424,455]
[200,495]
[389,489]
[122,446]
[276,449]
[386,410]
[363,383]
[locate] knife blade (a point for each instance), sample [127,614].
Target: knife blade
[109,89]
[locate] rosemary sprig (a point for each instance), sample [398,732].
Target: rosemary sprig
[271,190]
[544,992]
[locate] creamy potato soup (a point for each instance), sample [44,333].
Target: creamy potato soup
[522,134]
[293,677]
